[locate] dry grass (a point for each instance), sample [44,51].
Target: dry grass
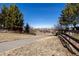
[13,36]
[76,35]
[47,47]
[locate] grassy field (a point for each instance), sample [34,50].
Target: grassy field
[13,36]
[48,47]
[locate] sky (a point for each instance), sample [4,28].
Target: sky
[40,15]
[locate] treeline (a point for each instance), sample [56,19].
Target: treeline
[12,19]
[69,16]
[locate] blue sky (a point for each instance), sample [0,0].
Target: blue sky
[43,15]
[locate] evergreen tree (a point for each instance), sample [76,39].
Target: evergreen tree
[4,16]
[1,21]
[70,15]
[11,18]
[27,28]
[16,17]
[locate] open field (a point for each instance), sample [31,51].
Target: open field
[45,46]
[13,36]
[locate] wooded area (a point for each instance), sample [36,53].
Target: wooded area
[69,18]
[11,18]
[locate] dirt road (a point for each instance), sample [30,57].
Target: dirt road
[43,45]
[4,46]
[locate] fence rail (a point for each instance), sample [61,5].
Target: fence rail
[72,44]
[75,39]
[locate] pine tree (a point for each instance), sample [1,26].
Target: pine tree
[27,28]
[16,17]
[70,15]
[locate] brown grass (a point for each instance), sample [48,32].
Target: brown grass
[13,36]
